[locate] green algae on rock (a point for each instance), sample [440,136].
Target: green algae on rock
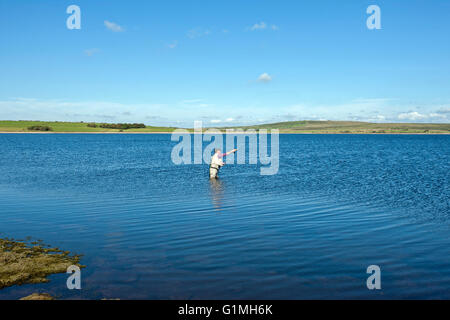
[22,263]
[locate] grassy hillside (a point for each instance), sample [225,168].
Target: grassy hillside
[284,127]
[353,127]
[22,126]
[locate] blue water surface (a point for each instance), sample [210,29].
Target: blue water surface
[149,229]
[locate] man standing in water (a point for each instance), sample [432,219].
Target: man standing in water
[217,162]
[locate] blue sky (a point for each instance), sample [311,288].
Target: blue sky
[225,62]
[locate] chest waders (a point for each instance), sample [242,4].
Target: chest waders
[214,171]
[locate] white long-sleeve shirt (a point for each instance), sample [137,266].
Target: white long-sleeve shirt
[217,160]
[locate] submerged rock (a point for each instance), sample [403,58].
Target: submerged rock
[22,263]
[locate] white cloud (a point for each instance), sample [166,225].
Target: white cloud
[438,115]
[197,33]
[88,111]
[184,112]
[414,115]
[265,77]
[370,110]
[113,26]
[443,110]
[258,26]
[263,26]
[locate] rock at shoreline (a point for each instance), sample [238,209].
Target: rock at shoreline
[22,263]
[38,296]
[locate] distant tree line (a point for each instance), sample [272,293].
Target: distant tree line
[121,126]
[40,128]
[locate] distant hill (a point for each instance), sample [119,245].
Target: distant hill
[284,127]
[68,127]
[353,127]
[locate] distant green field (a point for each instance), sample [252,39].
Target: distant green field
[22,126]
[340,127]
[353,127]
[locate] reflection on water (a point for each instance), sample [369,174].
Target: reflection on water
[149,229]
[217,189]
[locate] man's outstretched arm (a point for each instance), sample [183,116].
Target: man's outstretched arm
[230,152]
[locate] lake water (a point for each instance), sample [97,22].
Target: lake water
[149,229]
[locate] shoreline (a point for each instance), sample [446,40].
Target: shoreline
[287,127]
[268,131]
